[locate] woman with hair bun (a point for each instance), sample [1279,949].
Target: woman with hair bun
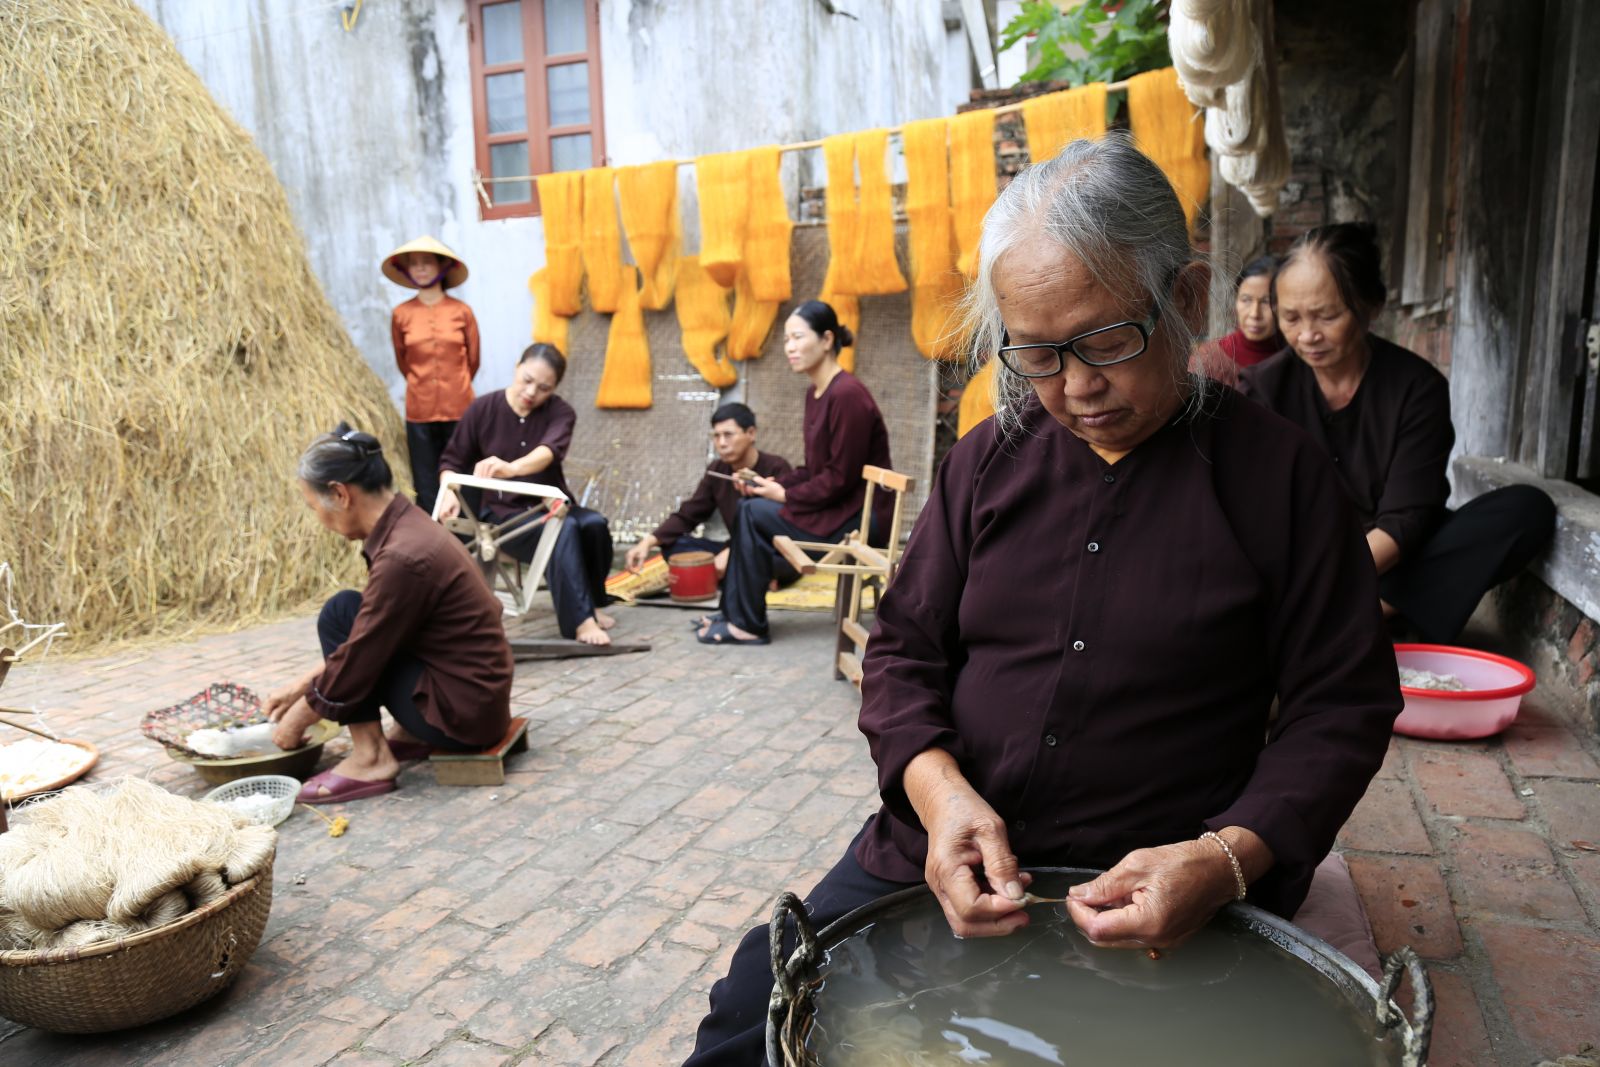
[1382,414]
[819,501]
[424,639]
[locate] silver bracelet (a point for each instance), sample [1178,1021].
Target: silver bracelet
[1238,871]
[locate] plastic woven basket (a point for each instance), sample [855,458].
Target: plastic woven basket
[113,985]
[217,706]
[279,788]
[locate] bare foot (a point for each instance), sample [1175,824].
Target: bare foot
[743,635]
[377,768]
[590,633]
[606,621]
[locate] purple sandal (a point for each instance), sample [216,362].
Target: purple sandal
[340,789]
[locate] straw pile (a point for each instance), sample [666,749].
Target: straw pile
[86,865]
[164,347]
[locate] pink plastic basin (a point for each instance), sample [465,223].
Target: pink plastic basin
[1489,704]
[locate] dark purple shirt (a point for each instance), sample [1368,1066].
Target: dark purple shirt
[491,427]
[425,598]
[1099,646]
[843,432]
[714,495]
[1391,444]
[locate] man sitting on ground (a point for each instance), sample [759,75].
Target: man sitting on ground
[733,434]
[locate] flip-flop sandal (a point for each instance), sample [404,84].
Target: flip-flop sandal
[340,789]
[719,634]
[409,750]
[705,620]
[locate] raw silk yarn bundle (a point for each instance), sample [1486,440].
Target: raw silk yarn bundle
[561,208]
[1054,119]
[602,240]
[702,307]
[935,283]
[548,327]
[972,181]
[625,378]
[722,182]
[1167,129]
[95,864]
[649,202]
[1213,45]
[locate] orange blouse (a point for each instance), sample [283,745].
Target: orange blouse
[436,348]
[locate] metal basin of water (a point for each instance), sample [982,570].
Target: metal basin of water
[890,984]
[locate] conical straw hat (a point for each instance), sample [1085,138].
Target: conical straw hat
[452,277]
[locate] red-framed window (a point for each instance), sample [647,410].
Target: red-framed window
[535,94]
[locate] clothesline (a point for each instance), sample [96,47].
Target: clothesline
[797,146]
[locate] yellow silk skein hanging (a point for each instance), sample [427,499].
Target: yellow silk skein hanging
[1056,118]
[548,328]
[977,400]
[972,181]
[766,245]
[702,307]
[876,270]
[1167,128]
[625,378]
[935,282]
[723,184]
[848,309]
[602,240]
[649,201]
[839,201]
[752,320]
[561,207]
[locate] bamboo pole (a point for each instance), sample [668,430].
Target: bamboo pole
[797,146]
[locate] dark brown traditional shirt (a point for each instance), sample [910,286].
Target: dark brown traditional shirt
[492,427]
[715,495]
[1391,444]
[1099,646]
[424,597]
[843,431]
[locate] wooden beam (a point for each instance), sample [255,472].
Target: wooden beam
[900,483]
[850,667]
[791,552]
[855,632]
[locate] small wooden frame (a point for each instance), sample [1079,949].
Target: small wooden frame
[486,767]
[488,542]
[857,564]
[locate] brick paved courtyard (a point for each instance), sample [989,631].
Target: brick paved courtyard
[578,914]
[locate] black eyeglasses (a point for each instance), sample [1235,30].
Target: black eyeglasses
[1105,347]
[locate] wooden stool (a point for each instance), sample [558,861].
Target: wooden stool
[485,767]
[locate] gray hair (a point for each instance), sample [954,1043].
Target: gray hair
[348,457]
[1110,208]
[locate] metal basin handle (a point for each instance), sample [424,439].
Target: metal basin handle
[1415,1048]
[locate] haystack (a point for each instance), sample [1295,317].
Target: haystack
[165,351]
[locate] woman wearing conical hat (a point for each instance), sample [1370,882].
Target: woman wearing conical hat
[436,348]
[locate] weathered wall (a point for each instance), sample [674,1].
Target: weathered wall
[370,132]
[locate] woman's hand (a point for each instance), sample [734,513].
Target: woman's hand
[1160,897]
[280,702]
[493,467]
[765,488]
[293,722]
[964,834]
[637,555]
[449,507]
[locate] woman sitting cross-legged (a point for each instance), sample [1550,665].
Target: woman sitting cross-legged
[424,639]
[819,501]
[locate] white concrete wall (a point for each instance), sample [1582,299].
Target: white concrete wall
[371,131]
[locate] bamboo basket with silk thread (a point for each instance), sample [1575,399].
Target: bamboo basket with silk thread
[113,985]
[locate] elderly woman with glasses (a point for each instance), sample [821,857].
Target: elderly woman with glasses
[1110,585]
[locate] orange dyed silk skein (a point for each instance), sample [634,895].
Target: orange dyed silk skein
[602,240]
[972,181]
[936,285]
[977,400]
[1056,118]
[561,206]
[839,200]
[877,272]
[648,196]
[1169,129]
[625,378]
[766,243]
[548,328]
[723,184]
[702,307]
